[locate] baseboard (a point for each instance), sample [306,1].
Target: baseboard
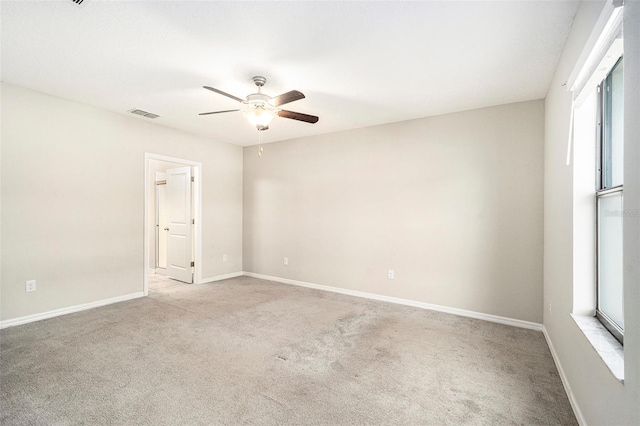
[221,277]
[565,382]
[415,304]
[63,311]
[69,310]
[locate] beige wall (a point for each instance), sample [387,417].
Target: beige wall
[453,204]
[599,396]
[73,201]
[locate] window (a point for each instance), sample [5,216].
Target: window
[595,145]
[609,202]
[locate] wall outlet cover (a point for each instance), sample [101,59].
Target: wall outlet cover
[30,286]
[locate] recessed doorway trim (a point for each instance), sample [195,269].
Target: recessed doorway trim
[197,212]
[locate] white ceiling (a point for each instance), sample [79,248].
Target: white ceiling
[358,63]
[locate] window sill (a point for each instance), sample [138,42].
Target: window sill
[605,345]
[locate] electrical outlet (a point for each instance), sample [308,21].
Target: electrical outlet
[30,286]
[390,274]
[286,261]
[224,258]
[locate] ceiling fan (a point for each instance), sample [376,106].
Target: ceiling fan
[260,109]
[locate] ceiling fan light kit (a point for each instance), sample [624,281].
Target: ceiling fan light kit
[259,111]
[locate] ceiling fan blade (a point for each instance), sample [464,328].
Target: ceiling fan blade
[220,92]
[285,98]
[298,116]
[218,112]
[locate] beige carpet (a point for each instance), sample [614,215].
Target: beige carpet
[248,351]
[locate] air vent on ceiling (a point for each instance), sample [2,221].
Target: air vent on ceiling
[144,113]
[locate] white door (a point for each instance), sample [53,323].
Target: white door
[179,248]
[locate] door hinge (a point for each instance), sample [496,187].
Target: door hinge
[193,178]
[193,263]
[193,221]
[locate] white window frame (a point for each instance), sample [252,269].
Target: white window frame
[602,191]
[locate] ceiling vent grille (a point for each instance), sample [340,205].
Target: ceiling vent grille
[144,113]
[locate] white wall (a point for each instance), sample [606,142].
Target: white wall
[453,204]
[600,397]
[73,201]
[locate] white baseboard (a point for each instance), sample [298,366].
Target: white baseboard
[69,310]
[406,302]
[63,311]
[565,381]
[221,277]
[415,304]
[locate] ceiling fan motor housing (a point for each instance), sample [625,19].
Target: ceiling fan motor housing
[258,97]
[259,101]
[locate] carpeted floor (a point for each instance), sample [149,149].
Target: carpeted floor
[248,351]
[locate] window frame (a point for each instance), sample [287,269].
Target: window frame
[601,192]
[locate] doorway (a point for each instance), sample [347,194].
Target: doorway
[172,204]
[172,231]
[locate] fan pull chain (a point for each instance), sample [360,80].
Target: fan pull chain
[259,144]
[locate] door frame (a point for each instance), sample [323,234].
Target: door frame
[197,213]
[157,219]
